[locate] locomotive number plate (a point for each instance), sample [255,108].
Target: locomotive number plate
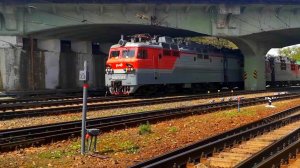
[119,77]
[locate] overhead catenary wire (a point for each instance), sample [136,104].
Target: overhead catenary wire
[83,20]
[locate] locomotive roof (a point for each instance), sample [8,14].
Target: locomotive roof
[138,44]
[183,46]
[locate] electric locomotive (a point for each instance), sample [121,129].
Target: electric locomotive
[146,64]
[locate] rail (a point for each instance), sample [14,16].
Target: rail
[21,137]
[77,108]
[193,153]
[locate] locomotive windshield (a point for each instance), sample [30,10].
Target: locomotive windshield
[114,54]
[128,53]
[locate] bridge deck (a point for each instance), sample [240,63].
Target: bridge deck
[164,2]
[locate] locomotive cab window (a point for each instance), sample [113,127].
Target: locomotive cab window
[128,53]
[142,54]
[114,54]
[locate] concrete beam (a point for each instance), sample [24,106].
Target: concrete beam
[10,17]
[52,45]
[10,41]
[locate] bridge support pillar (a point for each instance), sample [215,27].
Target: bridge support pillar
[254,64]
[83,50]
[254,68]
[10,63]
[51,51]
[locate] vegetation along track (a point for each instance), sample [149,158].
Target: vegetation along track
[239,147]
[77,108]
[21,137]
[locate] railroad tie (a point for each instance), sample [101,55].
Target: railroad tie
[226,154]
[221,162]
[235,155]
[200,165]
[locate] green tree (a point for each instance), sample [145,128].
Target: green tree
[291,52]
[214,41]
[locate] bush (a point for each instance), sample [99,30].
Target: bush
[145,129]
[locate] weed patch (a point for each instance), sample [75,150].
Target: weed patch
[129,147]
[172,129]
[51,155]
[145,129]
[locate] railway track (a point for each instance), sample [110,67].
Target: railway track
[12,104]
[44,111]
[22,137]
[246,153]
[248,146]
[287,157]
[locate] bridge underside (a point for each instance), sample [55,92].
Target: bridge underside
[108,32]
[276,38]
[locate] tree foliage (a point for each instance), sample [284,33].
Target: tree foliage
[291,52]
[214,41]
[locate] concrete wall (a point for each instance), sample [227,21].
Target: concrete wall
[10,56]
[83,52]
[50,68]
[1,84]
[51,50]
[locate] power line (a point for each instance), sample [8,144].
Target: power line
[83,20]
[287,25]
[247,22]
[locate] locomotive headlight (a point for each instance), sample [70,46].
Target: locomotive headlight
[130,68]
[108,69]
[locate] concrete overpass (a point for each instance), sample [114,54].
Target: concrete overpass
[254,25]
